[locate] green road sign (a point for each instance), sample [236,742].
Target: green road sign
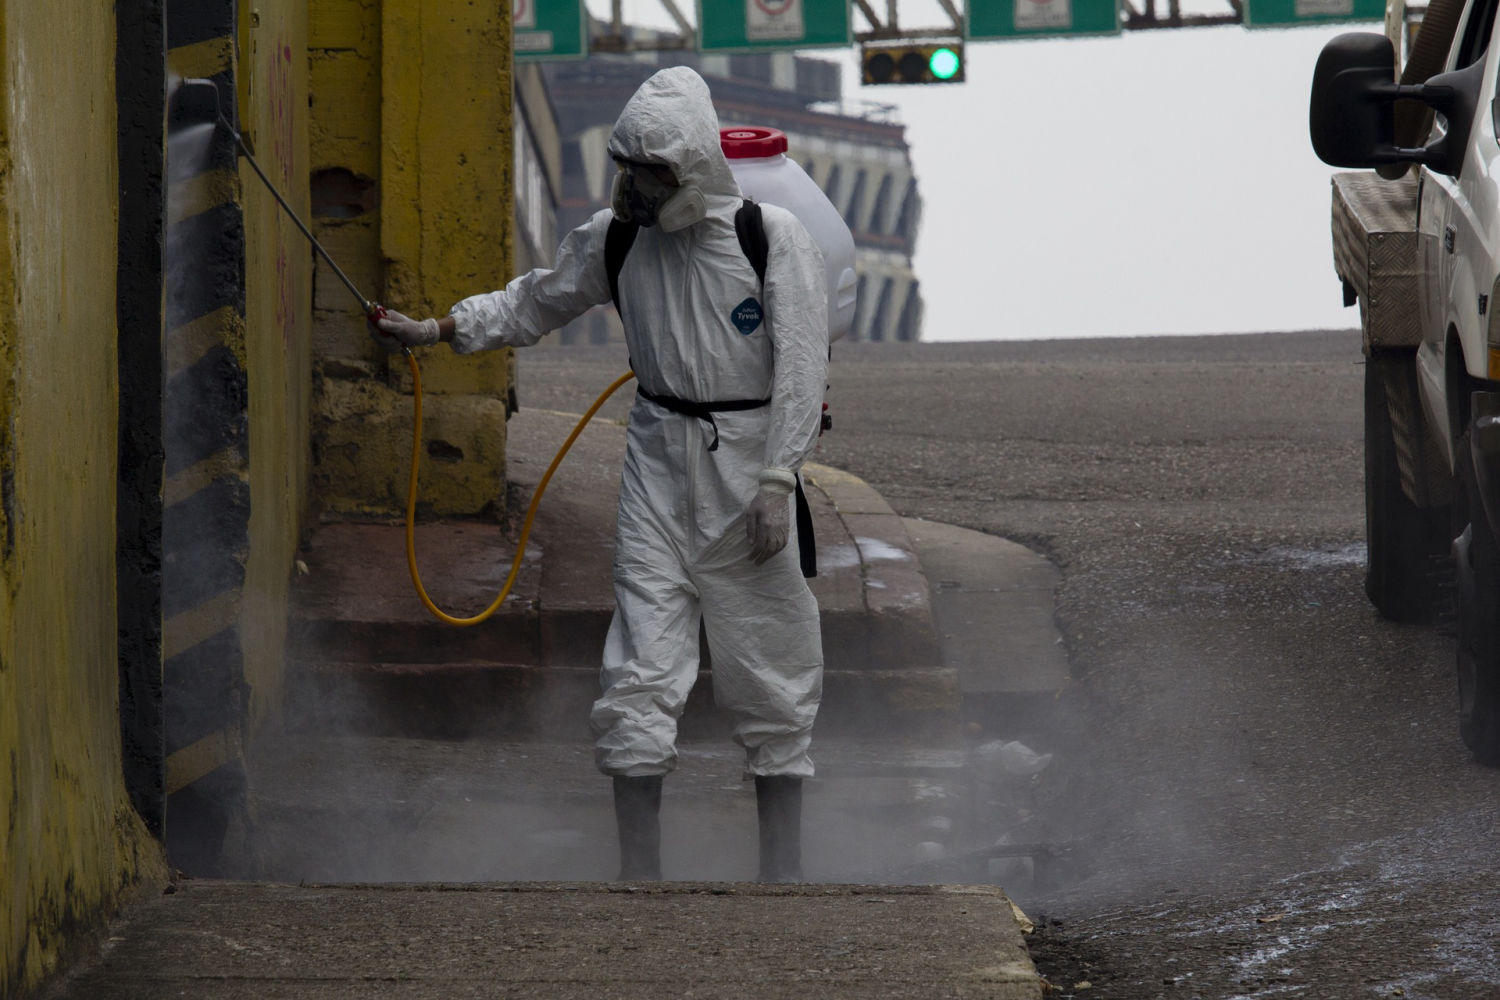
[548,29]
[1289,13]
[747,25]
[1011,19]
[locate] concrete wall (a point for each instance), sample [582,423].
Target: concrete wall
[272,80]
[411,147]
[70,843]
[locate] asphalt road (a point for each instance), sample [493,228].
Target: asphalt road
[1257,786]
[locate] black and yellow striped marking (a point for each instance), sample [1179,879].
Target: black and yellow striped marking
[206,497]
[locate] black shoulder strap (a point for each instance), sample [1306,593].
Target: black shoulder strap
[748,226]
[751,229]
[617,243]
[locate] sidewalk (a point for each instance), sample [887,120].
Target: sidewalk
[234,941]
[433,790]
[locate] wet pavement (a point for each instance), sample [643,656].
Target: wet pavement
[1242,736]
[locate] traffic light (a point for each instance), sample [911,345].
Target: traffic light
[912,62]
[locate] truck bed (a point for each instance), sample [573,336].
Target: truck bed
[1376,255]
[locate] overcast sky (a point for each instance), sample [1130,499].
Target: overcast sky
[1159,182]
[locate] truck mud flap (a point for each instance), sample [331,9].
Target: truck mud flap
[1484,447]
[1422,465]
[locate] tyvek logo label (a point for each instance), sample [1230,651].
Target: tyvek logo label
[746,316]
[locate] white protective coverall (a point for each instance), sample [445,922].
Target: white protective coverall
[681,547]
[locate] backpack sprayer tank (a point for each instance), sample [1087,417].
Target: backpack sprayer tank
[757,156]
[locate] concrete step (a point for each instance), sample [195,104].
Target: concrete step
[353,808]
[365,652]
[506,701]
[993,607]
[357,601]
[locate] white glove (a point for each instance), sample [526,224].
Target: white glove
[394,331]
[768,519]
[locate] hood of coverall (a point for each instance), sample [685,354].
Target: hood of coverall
[671,120]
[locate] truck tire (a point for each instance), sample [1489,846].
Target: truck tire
[1477,561]
[1407,546]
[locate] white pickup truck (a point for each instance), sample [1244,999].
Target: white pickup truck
[1417,244]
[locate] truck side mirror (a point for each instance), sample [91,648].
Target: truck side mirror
[1455,96]
[1351,117]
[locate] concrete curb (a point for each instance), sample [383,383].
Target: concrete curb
[993,607]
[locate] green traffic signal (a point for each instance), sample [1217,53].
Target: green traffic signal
[912,62]
[944,63]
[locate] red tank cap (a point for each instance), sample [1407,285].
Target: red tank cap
[751,143]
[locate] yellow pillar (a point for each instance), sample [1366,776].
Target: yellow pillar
[442,180]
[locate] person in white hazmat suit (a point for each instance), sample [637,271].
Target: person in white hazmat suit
[731,374]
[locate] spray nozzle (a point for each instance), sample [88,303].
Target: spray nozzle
[197,100]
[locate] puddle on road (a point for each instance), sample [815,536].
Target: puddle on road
[1301,930]
[1323,557]
[874,550]
[867,550]
[833,557]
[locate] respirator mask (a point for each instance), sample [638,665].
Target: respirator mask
[648,194]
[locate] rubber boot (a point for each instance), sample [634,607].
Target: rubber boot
[778,803]
[638,816]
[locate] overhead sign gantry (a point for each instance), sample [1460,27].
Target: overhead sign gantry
[891,51]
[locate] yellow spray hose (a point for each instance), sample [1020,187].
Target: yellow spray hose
[536,498]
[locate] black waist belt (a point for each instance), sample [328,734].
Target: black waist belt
[704,411]
[807,551]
